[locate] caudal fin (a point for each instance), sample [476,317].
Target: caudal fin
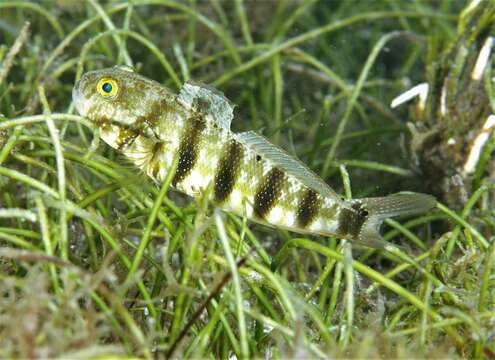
[380,208]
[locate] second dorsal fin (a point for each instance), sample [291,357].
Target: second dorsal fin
[288,163]
[208,101]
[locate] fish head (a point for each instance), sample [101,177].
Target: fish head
[118,97]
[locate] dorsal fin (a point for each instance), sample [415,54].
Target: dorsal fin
[209,101]
[288,163]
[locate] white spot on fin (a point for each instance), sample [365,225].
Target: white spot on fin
[288,163]
[208,101]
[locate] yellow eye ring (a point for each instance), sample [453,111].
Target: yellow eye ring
[107,87]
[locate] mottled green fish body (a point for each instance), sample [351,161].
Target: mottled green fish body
[247,174]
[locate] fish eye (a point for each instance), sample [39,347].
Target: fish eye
[107,87]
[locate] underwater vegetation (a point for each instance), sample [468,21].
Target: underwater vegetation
[96,260]
[452,124]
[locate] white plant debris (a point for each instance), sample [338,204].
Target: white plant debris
[420,90]
[482,60]
[443,104]
[479,142]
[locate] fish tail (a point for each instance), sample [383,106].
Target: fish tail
[379,208]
